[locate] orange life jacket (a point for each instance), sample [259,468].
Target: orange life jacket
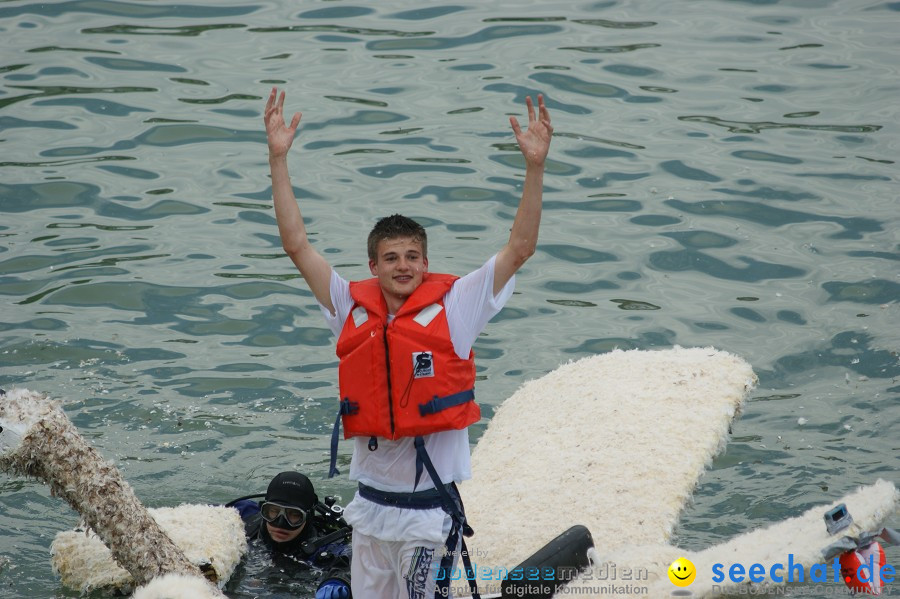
[861,569]
[403,378]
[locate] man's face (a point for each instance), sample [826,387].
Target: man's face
[399,265]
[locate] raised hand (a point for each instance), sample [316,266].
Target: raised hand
[535,141]
[279,135]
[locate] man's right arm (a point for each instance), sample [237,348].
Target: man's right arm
[314,268]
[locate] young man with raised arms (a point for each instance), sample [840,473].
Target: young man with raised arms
[406,372]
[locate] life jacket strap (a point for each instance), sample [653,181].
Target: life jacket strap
[448,401]
[450,506]
[444,573]
[346,407]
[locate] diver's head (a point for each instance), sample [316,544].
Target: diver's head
[290,500]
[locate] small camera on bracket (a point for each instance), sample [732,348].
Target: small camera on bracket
[837,519]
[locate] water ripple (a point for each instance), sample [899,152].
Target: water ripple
[488,34]
[94,106]
[853,227]
[363,31]
[126,9]
[46,91]
[180,31]
[718,177]
[759,127]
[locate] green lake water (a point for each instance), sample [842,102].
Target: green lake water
[723,173]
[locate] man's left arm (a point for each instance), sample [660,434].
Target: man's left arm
[534,143]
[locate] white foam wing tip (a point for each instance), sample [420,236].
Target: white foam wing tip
[206,534]
[177,586]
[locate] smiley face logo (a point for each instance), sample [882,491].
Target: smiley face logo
[682,572]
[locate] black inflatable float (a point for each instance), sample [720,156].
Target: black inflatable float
[550,567]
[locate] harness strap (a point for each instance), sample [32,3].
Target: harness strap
[448,401]
[346,407]
[442,586]
[470,571]
[420,500]
[451,507]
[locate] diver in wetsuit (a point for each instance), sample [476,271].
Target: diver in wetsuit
[297,528]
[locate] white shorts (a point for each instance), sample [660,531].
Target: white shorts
[398,569]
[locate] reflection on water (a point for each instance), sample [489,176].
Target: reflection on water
[723,174]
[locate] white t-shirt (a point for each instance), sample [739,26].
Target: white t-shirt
[470,304]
